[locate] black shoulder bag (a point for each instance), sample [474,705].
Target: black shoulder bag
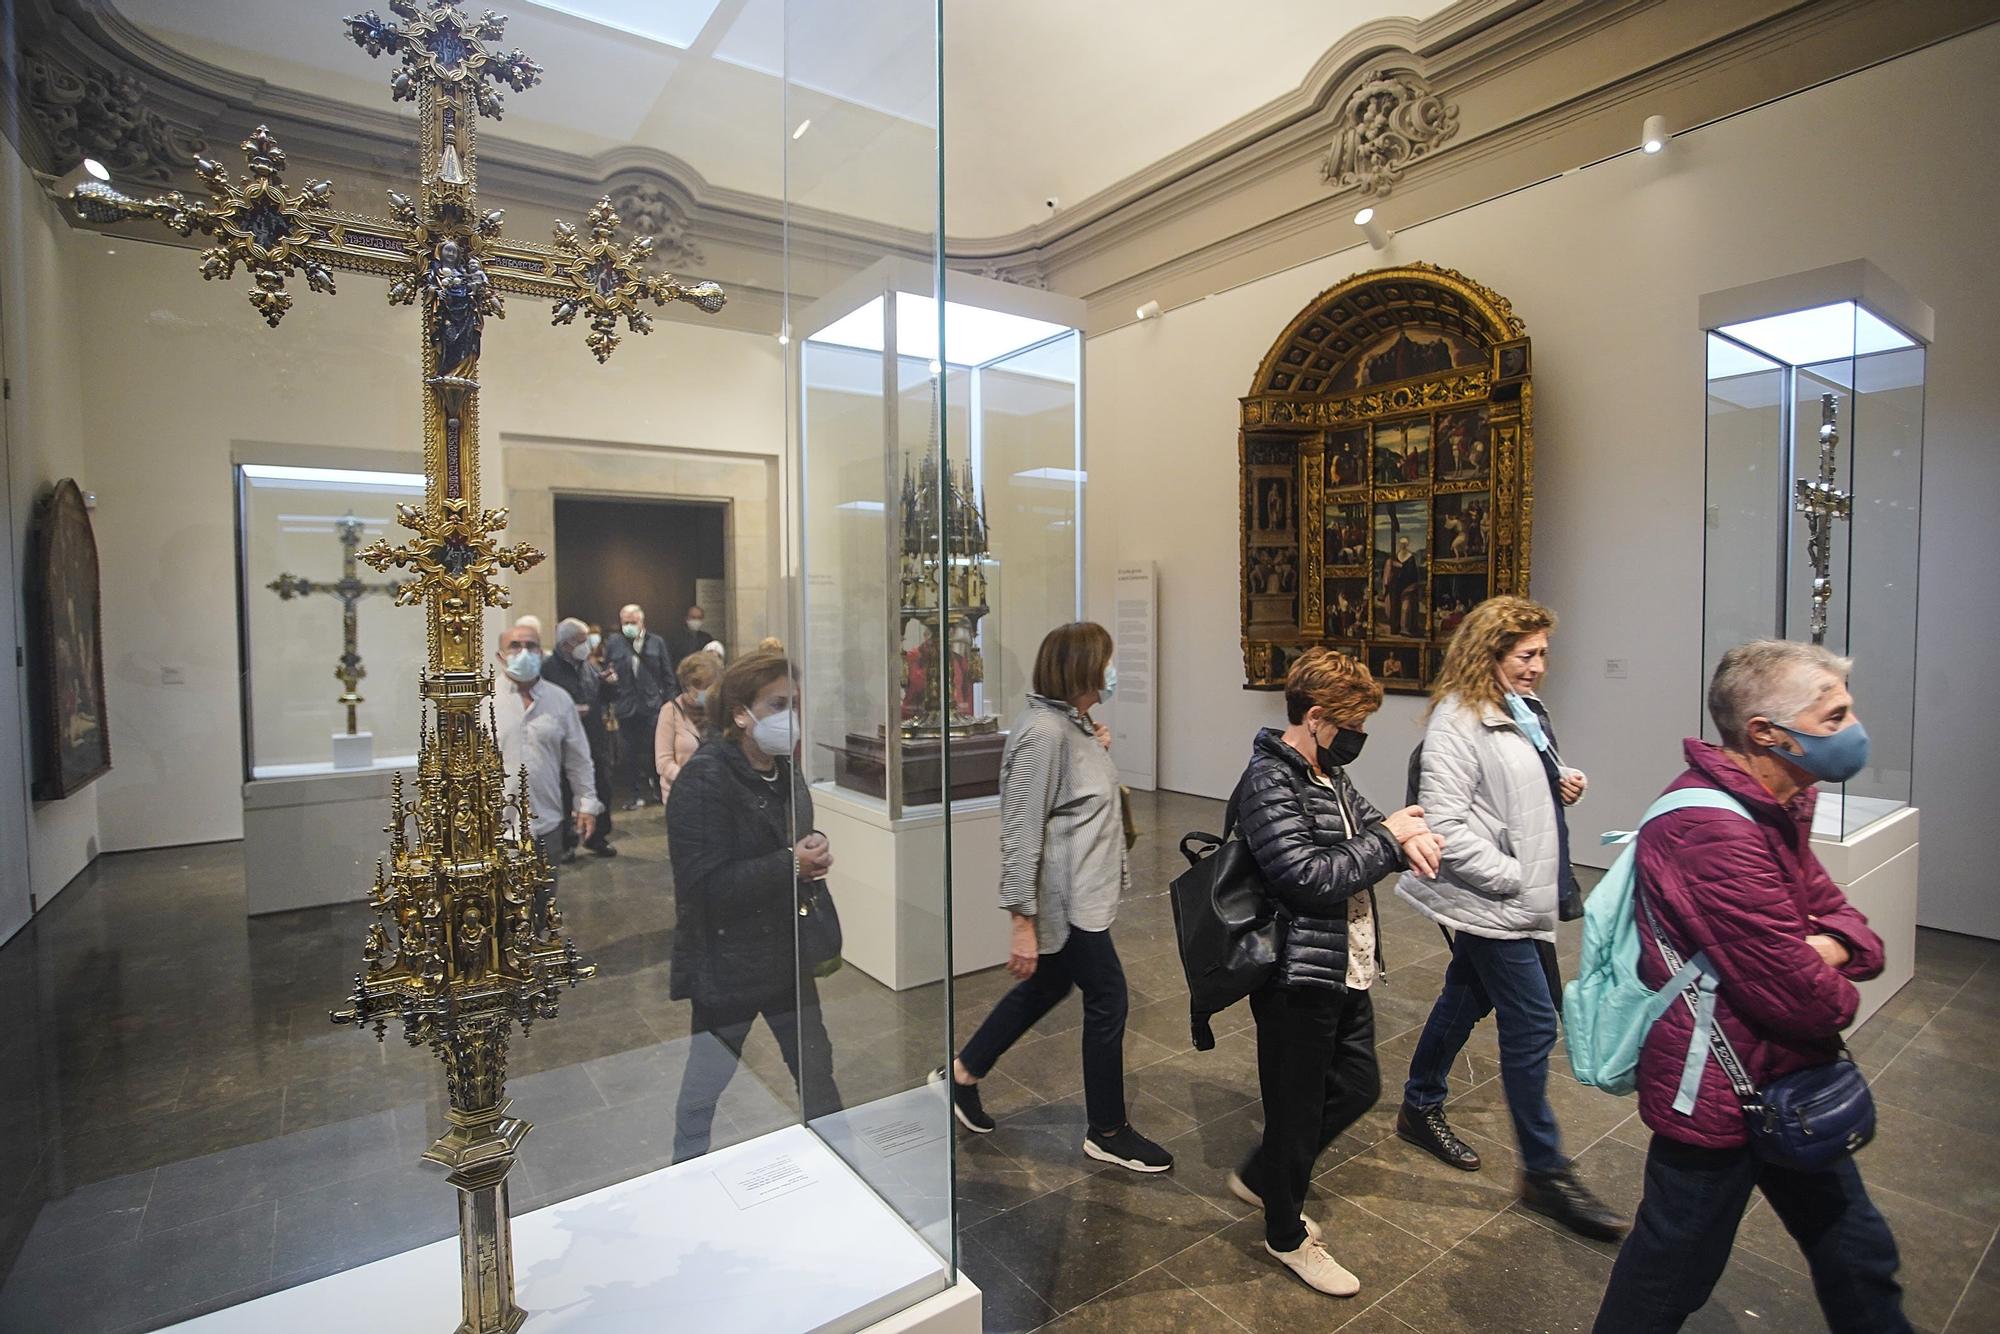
[1226,924]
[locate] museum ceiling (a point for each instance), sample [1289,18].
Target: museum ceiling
[1182,145]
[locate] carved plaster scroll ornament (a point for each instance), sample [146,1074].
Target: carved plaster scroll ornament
[99,114]
[1388,122]
[653,211]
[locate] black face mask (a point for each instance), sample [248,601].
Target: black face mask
[1345,750]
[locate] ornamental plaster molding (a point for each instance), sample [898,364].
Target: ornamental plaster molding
[80,109]
[651,209]
[1389,121]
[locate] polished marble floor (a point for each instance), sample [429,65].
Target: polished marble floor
[180,1127]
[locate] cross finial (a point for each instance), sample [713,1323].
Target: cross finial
[439,44]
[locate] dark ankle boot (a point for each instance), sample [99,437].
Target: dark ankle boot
[1426,1128]
[1559,1195]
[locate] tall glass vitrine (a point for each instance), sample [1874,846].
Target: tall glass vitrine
[1814,480]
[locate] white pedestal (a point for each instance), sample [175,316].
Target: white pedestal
[1876,867]
[311,835]
[888,882]
[353,752]
[772,1236]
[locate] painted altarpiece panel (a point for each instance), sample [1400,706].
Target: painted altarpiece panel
[1386,474]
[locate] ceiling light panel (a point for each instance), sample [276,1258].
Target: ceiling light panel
[672,22]
[1823,333]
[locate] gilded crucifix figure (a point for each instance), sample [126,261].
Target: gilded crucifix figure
[464,946]
[349,589]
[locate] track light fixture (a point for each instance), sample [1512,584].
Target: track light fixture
[1653,137]
[87,171]
[1378,235]
[1149,311]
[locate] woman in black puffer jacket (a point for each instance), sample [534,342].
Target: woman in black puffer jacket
[1320,847]
[739,831]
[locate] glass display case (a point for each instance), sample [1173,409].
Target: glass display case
[724,1136]
[326,657]
[1815,426]
[943,504]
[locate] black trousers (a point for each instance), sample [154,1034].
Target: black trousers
[716,1050]
[1686,1227]
[1089,962]
[637,778]
[1316,1069]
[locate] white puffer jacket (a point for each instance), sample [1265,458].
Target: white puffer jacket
[1484,790]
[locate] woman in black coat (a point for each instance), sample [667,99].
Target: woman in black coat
[1320,848]
[739,822]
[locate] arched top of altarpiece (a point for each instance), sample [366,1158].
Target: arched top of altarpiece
[1365,321]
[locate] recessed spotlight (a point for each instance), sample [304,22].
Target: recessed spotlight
[1653,136]
[1149,311]
[804,125]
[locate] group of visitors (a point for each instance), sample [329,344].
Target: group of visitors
[640,703]
[1483,849]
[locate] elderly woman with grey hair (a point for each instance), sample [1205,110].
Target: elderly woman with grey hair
[1786,948]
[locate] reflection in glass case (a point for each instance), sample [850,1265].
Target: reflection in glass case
[1814,467]
[943,498]
[327,662]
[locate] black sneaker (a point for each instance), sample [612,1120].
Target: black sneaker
[1127,1148]
[1559,1195]
[1426,1128]
[601,850]
[965,1103]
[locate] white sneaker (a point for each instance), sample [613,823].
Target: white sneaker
[1251,1198]
[1319,1270]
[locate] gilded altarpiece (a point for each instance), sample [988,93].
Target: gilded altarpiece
[1387,474]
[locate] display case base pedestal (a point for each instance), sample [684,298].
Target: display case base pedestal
[353,750]
[776,1235]
[312,837]
[1876,867]
[885,879]
[863,766]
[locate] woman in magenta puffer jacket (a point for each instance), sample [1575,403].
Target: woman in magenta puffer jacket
[1787,947]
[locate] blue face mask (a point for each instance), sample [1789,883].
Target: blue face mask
[1834,758]
[1110,686]
[1525,718]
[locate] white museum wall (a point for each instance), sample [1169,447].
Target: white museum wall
[1606,265]
[190,373]
[45,443]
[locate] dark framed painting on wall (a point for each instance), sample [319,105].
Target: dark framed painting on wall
[1387,474]
[71,734]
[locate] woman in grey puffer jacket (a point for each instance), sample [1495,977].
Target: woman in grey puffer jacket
[1320,848]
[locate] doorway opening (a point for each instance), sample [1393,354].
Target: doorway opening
[665,555]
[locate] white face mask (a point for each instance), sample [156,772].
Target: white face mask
[581,650]
[777,735]
[632,629]
[595,639]
[524,665]
[695,626]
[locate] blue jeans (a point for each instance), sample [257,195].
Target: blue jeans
[1506,979]
[1686,1227]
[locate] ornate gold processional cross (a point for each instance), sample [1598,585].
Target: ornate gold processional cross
[349,589]
[467,941]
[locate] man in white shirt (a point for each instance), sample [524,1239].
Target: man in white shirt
[539,727]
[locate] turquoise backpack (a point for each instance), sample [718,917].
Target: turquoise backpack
[1607,1009]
